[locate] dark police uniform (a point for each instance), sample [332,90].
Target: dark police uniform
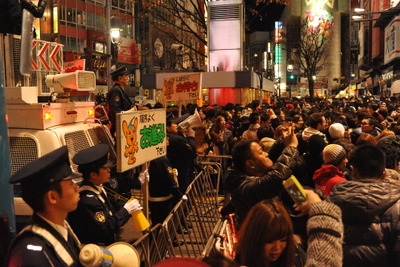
[39,243]
[163,189]
[117,99]
[98,218]
[182,153]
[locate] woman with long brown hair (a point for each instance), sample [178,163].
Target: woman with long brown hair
[266,237]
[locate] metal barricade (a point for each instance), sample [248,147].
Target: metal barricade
[189,229]
[153,247]
[219,163]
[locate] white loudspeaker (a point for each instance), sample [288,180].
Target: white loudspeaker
[191,121]
[80,80]
[119,254]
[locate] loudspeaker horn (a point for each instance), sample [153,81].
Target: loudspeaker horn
[119,254]
[192,121]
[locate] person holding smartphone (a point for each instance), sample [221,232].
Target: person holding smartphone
[254,177]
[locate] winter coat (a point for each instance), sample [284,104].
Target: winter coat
[309,131]
[371,219]
[246,191]
[251,133]
[327,177]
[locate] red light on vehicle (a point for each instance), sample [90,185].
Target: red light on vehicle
[48,116]
[91,112]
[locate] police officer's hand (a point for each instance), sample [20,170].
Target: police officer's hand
[132,206]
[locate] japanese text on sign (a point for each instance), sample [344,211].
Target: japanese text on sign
[141,137]
[184,87]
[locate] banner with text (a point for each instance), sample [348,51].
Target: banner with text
[72,66]
[182,87]
[141,137]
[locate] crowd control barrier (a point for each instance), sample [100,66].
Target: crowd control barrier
[191,227]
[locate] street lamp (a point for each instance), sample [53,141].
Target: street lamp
[115,36]
[290,68]
[115,29]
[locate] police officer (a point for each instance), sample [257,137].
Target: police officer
[98,218]
[117,98]
[47,187]
[181,152]
[163,189]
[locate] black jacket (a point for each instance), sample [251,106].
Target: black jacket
[371,219]
[246,191]
[182,154]
[117,101]
[46,249]
[95,221]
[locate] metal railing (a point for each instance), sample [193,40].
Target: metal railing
[189,229]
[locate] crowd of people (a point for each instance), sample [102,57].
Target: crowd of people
[345,153]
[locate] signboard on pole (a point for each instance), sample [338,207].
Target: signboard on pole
[392,37]
[72,66]
[126,51]
[141,137]
[182,87]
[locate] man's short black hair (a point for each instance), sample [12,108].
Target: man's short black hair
[254,117]
[315,119]
[390,145]
[241,152]
[369,160]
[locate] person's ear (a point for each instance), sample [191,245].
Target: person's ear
[92,175]
[249,164]
[383,174]
[51,197]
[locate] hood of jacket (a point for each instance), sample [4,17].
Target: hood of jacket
[326,172]
[308,132]
[360,201]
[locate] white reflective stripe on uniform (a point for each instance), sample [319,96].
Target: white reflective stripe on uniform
[58,247]
[71,232]
[91,189]
[98,193]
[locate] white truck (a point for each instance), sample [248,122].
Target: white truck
[36,129]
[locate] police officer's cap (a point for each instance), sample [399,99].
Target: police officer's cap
[181,118]
[93,158]
[50,168]
[170,117]
[119,71]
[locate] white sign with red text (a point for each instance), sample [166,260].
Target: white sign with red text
[72,66]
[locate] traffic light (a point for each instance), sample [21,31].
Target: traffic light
[292,77]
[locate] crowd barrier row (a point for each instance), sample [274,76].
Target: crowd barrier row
[192,227]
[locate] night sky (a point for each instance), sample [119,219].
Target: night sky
[264,20]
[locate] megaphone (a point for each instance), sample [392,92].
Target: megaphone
[191,121]
[79,80]
[119,254]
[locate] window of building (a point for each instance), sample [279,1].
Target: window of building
[90,19]
[71,14]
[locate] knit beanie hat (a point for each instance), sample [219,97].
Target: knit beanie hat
[333,154]
[336,130]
